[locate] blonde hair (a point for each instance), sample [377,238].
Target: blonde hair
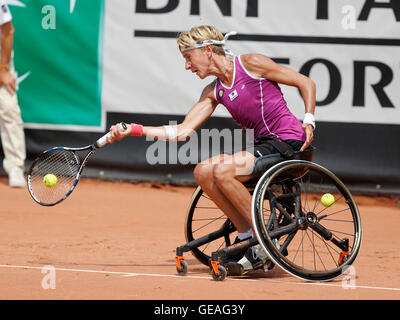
[189,38]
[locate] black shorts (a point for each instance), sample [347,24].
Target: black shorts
[263,148]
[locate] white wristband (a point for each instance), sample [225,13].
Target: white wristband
[170,133]
[309,118]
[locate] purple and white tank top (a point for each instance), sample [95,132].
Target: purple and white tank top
[258,104]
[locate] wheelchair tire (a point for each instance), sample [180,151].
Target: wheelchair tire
[204,217]
[299,234]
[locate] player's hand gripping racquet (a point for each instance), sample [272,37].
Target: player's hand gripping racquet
[55,173]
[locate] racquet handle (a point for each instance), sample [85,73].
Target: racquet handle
[103,140]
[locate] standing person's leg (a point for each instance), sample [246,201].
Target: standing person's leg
[12,137]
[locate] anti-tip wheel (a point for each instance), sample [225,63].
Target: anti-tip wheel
[184,268]
[222,273]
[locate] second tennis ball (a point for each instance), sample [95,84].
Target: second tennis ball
[327,199]
[50,180]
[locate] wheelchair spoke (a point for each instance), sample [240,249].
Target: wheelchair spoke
[212,220]
[205,247]
[204,196]
[301,243]
[208,219]
[306,206]
[341,232]
[339,220]
[328,247]
[317,202]
[331,214]
[223,244]
[315,252]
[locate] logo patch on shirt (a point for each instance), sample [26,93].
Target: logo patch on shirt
[220,92]
[233,95]
[4,8]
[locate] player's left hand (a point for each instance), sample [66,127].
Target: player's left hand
[309,130]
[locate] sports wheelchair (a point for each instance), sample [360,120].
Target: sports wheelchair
[298,233]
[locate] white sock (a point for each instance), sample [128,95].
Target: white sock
[244,235]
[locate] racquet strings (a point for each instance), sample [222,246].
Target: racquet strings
[64,165]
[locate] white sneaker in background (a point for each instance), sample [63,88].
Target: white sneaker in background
[16,178]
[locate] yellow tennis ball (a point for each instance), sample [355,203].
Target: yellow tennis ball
[327,199]
[50,180]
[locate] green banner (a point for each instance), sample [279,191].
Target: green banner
[58,57]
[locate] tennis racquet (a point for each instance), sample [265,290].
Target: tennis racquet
[65,166]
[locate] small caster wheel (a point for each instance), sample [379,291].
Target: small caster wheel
[344,256]
[269,265]
[222,273]
[184,268]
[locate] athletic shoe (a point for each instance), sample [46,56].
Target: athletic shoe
[254,258]
[16,178]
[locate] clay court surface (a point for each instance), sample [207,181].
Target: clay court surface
[113,240]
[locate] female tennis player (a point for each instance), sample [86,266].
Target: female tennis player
[247,85]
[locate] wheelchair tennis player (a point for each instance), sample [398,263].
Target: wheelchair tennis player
[248,86]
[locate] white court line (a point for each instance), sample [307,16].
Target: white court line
[134,274]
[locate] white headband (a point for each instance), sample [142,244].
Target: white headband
[204,43]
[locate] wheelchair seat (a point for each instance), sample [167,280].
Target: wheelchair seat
[263,163]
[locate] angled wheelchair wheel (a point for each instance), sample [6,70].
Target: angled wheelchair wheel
[207,223]
[308,239]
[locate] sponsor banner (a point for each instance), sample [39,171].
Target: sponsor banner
[58,58]
[337,43]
